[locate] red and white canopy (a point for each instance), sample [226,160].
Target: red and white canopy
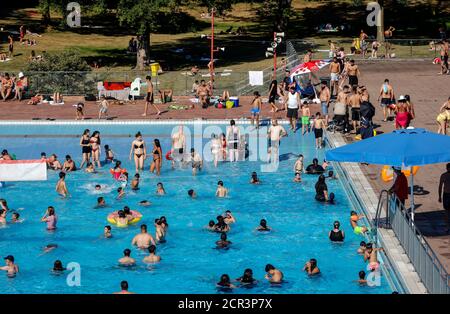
[308,67]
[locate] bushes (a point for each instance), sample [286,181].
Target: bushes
[64,72]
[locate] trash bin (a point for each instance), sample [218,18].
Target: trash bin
[154,67]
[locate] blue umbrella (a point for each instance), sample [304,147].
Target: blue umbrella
[400,148]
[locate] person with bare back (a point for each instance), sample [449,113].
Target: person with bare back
[387,98]
[335,70]
[149,99]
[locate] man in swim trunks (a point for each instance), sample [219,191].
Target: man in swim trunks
[274,134]
[273,275]
[353,73]
[221,190]
[354,101]
[324,96]
[149,99]
[256,109]
[233,139]
[178,145]
[444,194]
[203,93]
[387,98]
[143,240]
[319,126]
[335,70]
[306,114]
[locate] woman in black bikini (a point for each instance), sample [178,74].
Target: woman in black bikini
[86,149]
[95,148]
[139,151]
[157,160]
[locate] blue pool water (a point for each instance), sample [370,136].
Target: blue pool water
[190,263]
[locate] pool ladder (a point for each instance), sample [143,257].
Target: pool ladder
[383,203]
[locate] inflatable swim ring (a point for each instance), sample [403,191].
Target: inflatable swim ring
[387,174]
[137,216]
[115,174]
[169,155]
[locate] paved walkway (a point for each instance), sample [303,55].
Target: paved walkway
[428,91]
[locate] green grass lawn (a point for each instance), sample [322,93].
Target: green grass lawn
[242,53]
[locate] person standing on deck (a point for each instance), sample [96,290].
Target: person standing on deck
[150,98]
[400,187]
[444,194]
[387,98]
[335,70]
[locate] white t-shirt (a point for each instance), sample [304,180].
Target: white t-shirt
[292,102]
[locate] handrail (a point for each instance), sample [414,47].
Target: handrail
[381,202]
[398,206]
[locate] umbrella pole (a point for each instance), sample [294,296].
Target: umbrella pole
[412,198]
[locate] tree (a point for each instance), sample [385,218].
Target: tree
[141,16]
[220,5]
[44,8]
[278,12]
[65,72]
[380,26]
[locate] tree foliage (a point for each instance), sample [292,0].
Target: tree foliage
[60,72]
[278,12]
[221,6]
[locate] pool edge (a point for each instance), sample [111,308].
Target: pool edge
[365,199]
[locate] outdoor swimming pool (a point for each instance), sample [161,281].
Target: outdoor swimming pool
[190,263]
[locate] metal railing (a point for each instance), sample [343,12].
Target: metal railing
[76,83]
[427,265]
[382,207]
[408,48]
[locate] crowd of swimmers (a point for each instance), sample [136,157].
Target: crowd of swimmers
[90,145]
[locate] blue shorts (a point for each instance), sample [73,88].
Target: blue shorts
[255,111]
[324,108]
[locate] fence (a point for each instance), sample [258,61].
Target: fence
[82,83]
[401,48]
[430,270]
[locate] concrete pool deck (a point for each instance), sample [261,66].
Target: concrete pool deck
[419,79]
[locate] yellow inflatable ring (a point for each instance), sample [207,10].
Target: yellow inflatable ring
[137,216]
[387,174]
